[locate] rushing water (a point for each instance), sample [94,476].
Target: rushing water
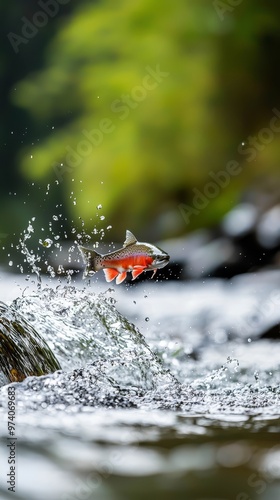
[165,389]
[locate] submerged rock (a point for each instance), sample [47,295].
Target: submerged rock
[22,351]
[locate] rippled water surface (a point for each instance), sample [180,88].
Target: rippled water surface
[166,389]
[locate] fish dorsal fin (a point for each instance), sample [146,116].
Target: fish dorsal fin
[130,239]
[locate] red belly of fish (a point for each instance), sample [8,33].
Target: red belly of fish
[128,263]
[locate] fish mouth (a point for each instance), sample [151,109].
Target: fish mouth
[161,260]
[164,258]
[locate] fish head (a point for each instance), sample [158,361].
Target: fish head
[160,258]
[152,257]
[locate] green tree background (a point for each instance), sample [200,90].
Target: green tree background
[223,82]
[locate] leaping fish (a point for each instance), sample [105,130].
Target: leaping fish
[133,256]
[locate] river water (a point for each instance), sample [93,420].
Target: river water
[166,390]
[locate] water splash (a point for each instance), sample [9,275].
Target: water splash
[82,327]
[46,250]
[30,257]
[107,362]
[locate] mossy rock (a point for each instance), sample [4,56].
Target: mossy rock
[22,351]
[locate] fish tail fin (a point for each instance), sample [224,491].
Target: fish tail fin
[90,259]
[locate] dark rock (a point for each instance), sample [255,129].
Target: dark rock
[22,351]
[272,333]
[246,240]
[240,221]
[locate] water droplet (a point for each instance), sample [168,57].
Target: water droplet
[102,217]
[47,243]
[55,217]
[147,319]
[50,270]
[99,207]
[60,269]
[11,263]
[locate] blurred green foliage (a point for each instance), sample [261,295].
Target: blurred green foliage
[158,141]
